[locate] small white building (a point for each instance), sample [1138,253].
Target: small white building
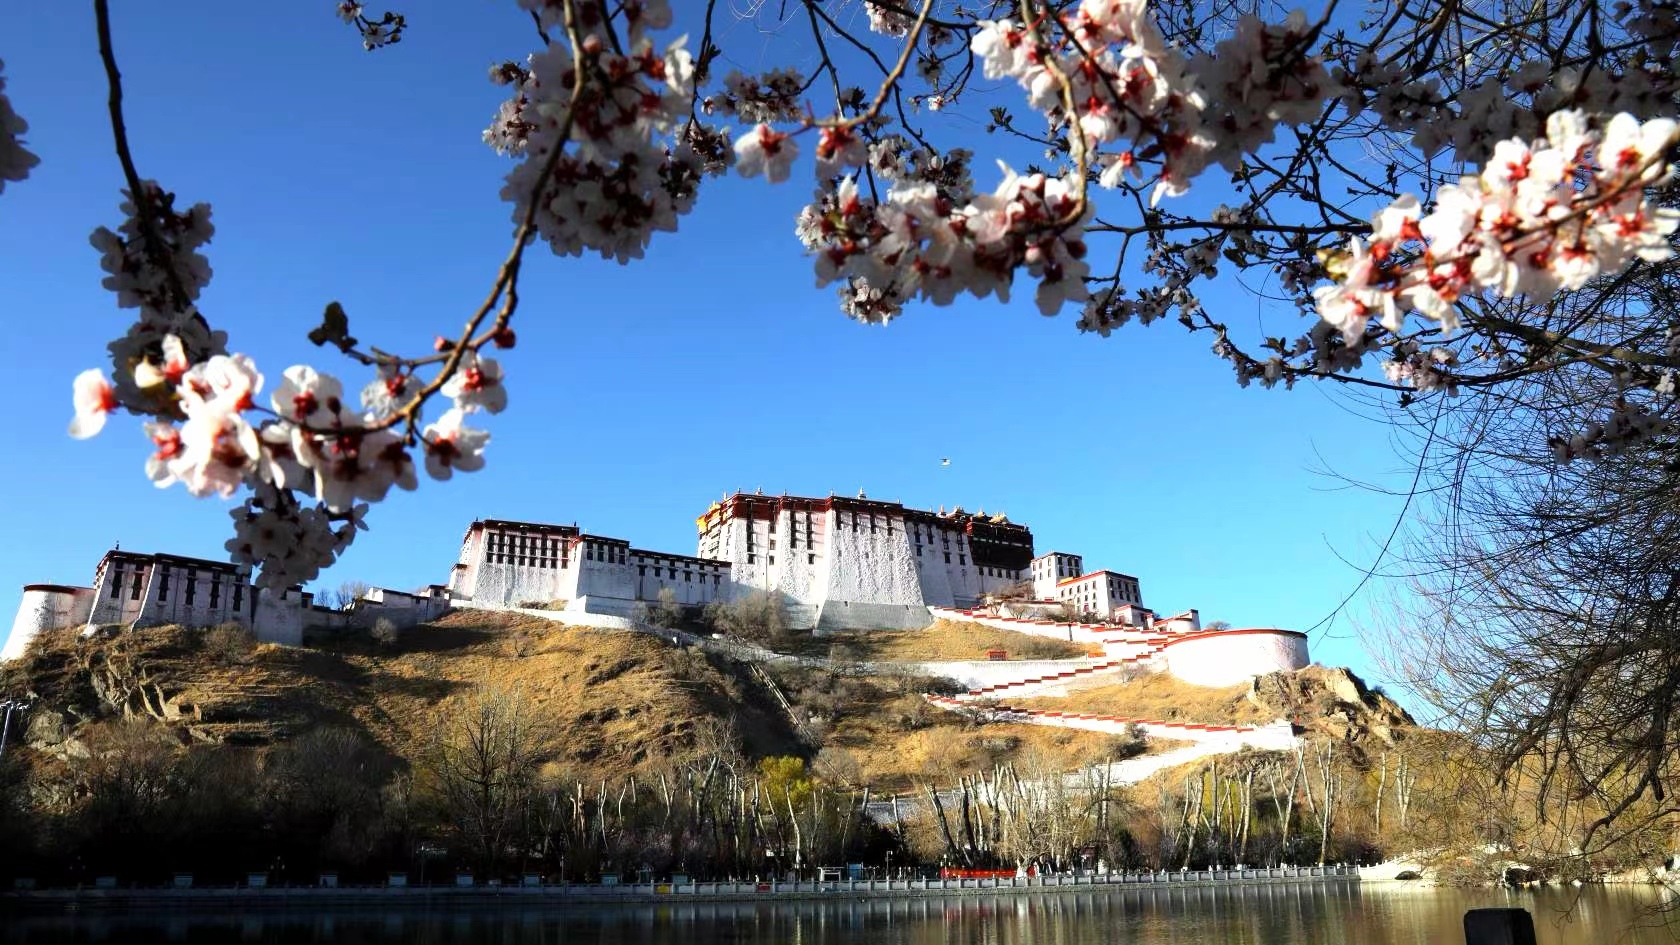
[1103,593]
[1052,568]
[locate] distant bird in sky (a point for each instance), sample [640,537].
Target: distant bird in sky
[944,462]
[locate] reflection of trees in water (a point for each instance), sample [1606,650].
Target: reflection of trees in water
[1278,914]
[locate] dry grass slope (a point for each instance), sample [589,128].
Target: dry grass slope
[619,702]
[1160,697]
[945,640]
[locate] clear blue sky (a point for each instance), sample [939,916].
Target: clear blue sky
[638,394]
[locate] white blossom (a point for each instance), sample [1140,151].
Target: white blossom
[308,397]
[450,445]
[477,385]
[763,150]
[94,400]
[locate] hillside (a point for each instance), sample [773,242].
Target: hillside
[626,703]
[945,640]
[622,703]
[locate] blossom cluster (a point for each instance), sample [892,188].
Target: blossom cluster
[310,460]
[770,96]
[15,160]
[376,34]
[1107,74]
[1513,106]
[629,159]
[1541,217]
[918,243]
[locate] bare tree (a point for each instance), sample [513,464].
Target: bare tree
[665,612]
[482,765]
[1321,782]
[342,596]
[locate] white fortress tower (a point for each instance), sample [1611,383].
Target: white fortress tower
[842,563]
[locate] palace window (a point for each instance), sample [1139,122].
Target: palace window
[810,559]
[752,558]
[688,577]
[215,590]
[163,584]
[947,557]
[238,595]
[772,559]
[192,585]
[116,582]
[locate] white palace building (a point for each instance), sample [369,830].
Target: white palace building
[837,563]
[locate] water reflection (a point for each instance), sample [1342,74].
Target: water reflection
[1242,915]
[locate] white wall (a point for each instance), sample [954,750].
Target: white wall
[280,616]
[867,568]
[184,582]
[1228,657]
[46,608]
[115,600]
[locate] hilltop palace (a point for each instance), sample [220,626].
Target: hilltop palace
[837,563]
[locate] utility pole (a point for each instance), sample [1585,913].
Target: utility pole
[10,706]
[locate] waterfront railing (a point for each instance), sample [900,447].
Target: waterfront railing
[532,885]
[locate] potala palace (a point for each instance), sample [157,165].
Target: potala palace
[837,563]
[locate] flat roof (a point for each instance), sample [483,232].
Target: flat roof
[1091,574]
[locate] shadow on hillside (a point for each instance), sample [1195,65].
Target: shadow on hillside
[434,639]
[429,688]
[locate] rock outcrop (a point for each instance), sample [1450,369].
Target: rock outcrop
[1332,701]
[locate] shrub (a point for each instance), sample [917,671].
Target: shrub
[385,632]
[1128,745]
[759,617]
[229,642]
[541,604]
[911,684]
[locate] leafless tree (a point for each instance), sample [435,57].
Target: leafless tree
[342,596]
[482,765]
[1546,614]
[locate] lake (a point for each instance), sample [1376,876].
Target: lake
[1373,914]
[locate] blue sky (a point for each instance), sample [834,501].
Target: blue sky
[640,393]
